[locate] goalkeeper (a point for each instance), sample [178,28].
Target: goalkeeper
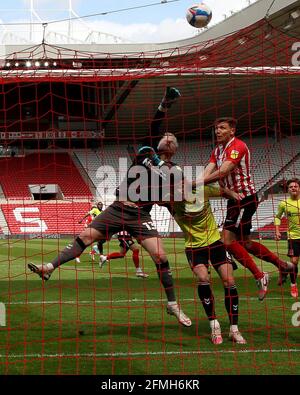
[131,212]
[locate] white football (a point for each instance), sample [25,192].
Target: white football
[199,15]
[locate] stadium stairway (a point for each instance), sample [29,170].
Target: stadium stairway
[4,229]
[291,170]
[273,160]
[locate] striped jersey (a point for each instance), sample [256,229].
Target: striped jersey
[239,179]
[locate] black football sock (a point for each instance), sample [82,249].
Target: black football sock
[166,279]
[293,274]
[232,304]
[208,301]
[100,246]
[70,252]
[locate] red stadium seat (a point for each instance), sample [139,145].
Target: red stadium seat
[47,168]
[45,218]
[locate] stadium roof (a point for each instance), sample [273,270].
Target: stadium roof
[277,13]
[229,69]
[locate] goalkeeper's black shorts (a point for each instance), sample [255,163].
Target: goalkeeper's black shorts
[119,217]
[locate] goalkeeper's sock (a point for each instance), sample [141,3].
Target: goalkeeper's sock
[241,254]
[100,246]
[70,252]
[166,279]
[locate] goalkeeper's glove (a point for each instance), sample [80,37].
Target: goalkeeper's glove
[148,157]
[171,95]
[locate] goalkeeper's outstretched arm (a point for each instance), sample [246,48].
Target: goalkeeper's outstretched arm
[171,95]
[155,129]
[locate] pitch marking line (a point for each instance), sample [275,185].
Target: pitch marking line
[142,354]
[113,301]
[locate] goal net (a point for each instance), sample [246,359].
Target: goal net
[70,121]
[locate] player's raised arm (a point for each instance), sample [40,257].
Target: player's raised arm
[228,193]
[209,169]
[212,174]
[170,97]
[225,169]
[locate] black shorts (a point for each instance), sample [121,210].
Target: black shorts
[119,217]
[293,247]
[214,253]
[239,215]
[125,242]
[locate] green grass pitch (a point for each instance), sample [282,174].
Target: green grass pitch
[86,320]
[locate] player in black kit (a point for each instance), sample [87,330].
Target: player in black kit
[132,213]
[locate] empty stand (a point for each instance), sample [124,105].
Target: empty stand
[106,168]
[291,171]
[45,218]
[270,157]
[43,168]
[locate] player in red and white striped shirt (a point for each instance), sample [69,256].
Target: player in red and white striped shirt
[237,154]
[230,165]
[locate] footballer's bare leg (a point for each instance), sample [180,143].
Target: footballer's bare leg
[73,250]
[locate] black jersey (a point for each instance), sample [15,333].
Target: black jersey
[158,186]
[152,184]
